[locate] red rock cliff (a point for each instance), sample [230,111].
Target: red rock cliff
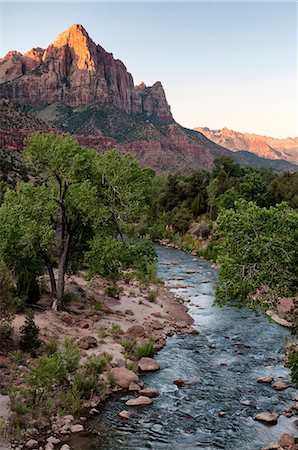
[75,71]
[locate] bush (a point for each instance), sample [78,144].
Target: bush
[70,354]
[7,306]
[29,341]
[258,248]
[152,295]
[128,344]
[292,363]
[146,348]
[113,291]
[97,364]
[116,330]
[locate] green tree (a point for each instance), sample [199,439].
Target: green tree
[78,196]
[6,301]
[259,248]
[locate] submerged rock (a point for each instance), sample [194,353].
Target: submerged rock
[267,417]
[265,380]
[280,385]
[124,414]
[150,392]
[142,400]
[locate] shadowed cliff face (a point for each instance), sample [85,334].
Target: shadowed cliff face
[75,71]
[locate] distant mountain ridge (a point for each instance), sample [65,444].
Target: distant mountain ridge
[263,146]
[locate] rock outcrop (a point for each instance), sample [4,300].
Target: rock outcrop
[264,146]
[75,71]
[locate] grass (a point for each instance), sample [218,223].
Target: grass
[152,295]
[145,348]
[116,330]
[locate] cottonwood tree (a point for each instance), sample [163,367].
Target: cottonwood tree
[78,196]
[259,249]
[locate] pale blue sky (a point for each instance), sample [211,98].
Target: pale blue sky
[221,64]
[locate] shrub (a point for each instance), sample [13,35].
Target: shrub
[128,344]
[29,341]
[6,304]
[146,348]
[97,364]
[113,291]
[116,330]
[102,333]
[70,297]
[70,354]
[111,380]
[292,363]
[152,295]
[52,346]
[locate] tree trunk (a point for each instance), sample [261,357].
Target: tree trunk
[52,280]
[61,273]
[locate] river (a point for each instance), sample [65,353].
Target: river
[216,407]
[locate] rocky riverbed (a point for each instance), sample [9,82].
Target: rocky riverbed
[211,396]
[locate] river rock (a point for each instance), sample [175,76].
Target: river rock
[124,414]
[142,400]
[136,331]
[53,440]
[148,364]
[286,440]
[76,428]
[87,342]
[65,447]
[280,385]
[32,443]
[179,382]
[267,417]
[265,380]
[123,377]
[150,392]
[134,387]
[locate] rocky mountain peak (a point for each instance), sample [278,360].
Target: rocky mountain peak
[75,71]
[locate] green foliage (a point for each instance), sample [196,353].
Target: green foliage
[97,364]
[129,344]
[152,295]
[7,303]
[110,256]
[71,297]
[116,330]
[102,332]
[70,354]
[79,199]
[259,248]
[29,340]
[113,291]
[292,363]
[145,348]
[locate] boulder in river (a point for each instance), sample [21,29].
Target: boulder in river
[150,392]
[286,440]
[124,414]
[265,380]
[148,364]
[142,400]
[280,385]
[267,417]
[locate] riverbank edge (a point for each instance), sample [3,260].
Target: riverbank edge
[158,319]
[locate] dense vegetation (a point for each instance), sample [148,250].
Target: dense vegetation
[72,215]
[245,218]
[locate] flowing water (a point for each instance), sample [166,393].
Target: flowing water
[216,407]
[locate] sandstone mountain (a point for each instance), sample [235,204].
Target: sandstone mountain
[76,86]
[264,146]
[75,71]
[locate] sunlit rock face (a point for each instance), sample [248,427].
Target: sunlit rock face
[75,71]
